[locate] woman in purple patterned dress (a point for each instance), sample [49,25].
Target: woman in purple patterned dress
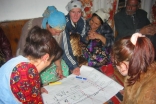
[100,39]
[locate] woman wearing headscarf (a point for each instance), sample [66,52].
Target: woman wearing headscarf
[54,21]
[75,25]
[100,40]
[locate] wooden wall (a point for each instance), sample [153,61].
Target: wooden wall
[12,30]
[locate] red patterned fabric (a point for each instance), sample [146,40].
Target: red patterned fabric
[25,84]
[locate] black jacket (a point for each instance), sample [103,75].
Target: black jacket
[124,23]
[125,26]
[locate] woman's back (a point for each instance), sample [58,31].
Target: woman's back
[144,90]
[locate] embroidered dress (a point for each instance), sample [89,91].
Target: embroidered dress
[96,54]
[7,80]
[50,75]
[25,83]
[95,51]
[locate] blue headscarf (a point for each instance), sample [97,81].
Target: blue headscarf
[55,18]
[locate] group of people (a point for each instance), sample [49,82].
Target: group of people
[45,54]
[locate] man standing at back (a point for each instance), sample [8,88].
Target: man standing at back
[131,19]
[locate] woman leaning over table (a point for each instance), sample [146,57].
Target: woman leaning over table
[54,21]
[20,79]
[134,58]
[100,40]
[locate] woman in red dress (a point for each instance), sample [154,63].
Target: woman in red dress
[20,80]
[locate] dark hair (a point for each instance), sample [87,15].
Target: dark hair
[140,56]
[95,15]
[39,42]
[139,2]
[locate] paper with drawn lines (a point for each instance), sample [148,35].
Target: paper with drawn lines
[97,89]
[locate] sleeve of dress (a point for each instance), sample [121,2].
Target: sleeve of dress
[25,84]
[83,34]
[108,33]
[68,56]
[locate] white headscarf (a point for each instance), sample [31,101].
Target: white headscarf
[74,4]
[102,14]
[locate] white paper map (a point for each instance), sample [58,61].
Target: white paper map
[97,89]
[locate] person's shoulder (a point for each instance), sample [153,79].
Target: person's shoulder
[150,77]
[67,18]
[120,13]
[151,71]
[141,11]
[35,19]
[153,67]
[39,18]
[32,22]
[82,19]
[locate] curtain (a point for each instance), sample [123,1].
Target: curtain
[147,5]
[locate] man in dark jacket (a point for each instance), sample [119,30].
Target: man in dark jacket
[131,19]
[5,48]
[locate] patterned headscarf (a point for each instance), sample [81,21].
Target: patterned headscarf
[74,4]
[54,18]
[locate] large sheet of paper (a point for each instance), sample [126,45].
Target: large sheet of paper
[97,89]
